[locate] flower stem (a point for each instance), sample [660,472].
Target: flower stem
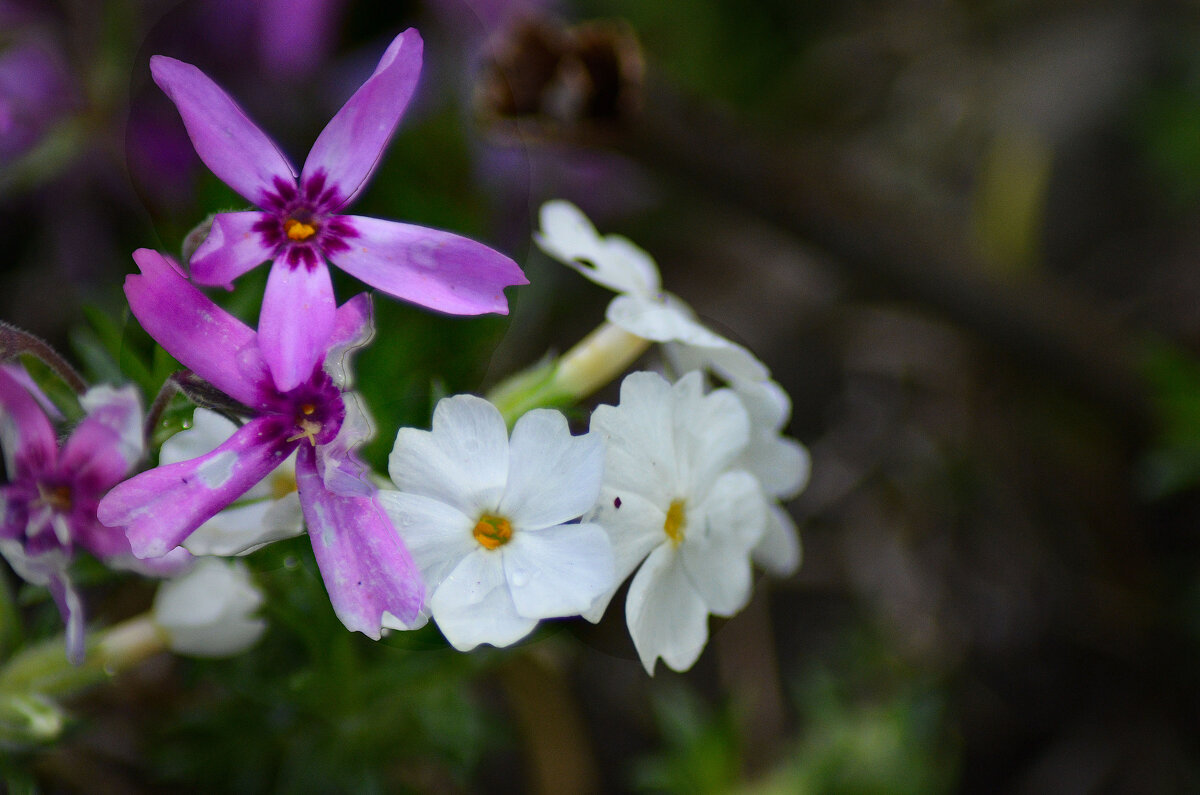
[15,342]
[594,362]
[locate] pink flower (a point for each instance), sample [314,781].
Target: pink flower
[300,224]
[367,570]
[48,505]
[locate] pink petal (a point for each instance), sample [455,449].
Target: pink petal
[25,434]
[203,337]
[231,248]
[231,145]
[435,269]
[296,322]
[161,507]
[352,325]
[71,609]
[366,567]
[351,145]
[107,443]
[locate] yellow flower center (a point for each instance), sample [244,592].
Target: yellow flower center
[298,230]
[492,531]
[282,484]
[675,522]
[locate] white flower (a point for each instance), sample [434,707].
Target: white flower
[269,511]
[781,465]
[641,307]
[675,497]
[488,519]
[206,612]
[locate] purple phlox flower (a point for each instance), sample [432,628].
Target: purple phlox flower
[366,568]
[300,224]
[48,505]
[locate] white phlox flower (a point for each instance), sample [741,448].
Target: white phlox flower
[782,466]
[677,501]
[641,307]
[268,512]
[489,519]
[207,611]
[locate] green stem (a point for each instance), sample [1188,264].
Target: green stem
[594,362]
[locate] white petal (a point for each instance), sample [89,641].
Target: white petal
[650,318]
[635,527]
[462,462]
[719,570]
[666,617]
[711,431]
[779,551]
[558,571]
[438,536]
[473,605]
[639,439]
[553,477]
[613,261]
[244,528]
[206,611]
[208,430]
[734,508]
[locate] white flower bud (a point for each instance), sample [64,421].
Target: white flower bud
[206,612]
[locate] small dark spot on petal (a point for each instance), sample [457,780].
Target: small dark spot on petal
[617,502]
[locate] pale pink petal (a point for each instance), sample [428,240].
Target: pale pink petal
[296,322]
[366,568]
[351,145]
[435,269]
[25,434]
[107,443]
[71,609]
[205,338]
[231,145]
[231,248]
[161,507]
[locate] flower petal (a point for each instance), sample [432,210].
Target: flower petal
[473,604]
[70,607]
[639,439]
[437,535]
[351,145]
[296,322]
[231,145]
[231,248]
[161,507]
[242,529]
[558,571]
[733,507]
[107,444]
[719,570]
[25,434]
[206,612]
[612,261]
[711,431]
[779,551]
[635,527]
[666,617]
[203,337]
[553,477]
[462,462]
[366,568]
[435,269]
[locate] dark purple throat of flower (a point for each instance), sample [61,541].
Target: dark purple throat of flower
[315,410]
[300,223]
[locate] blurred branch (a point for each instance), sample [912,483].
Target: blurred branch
[585,87]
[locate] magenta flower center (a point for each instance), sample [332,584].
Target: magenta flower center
[314,410]
[300,223]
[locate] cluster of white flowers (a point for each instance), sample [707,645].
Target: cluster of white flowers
[679,482]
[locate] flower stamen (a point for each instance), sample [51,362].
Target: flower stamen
[308,429]
[55,497]
[492,532]
[675,523]
[298,230]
